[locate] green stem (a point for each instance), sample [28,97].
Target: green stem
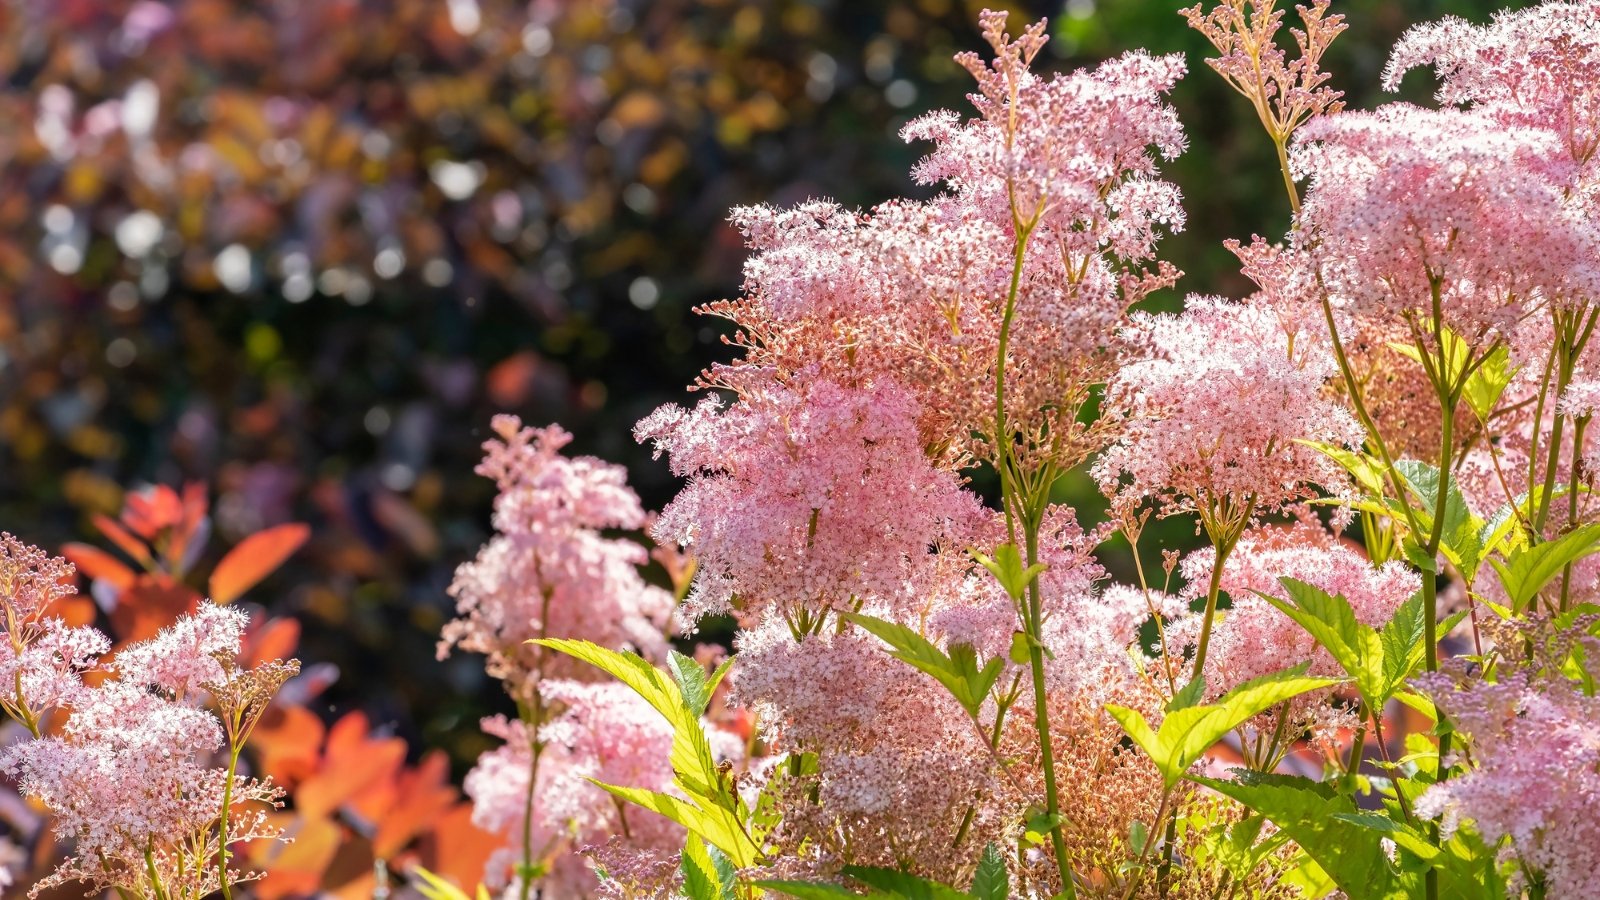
[222,823]
[1288,178]
[1579,426]
[532,715]
[1430,598]
[1041,718]
[1224,546]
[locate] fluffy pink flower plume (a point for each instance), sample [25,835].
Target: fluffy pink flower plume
[1254,638]
[814,500]
[131,778]
[1211,415]
[1074,149]
[1532,68]
[1536,746]
[1404,201]
[184,656]
[42,659]
[915,292]
[550,571]
[894,752]
[605,732]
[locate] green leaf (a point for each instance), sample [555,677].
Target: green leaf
[1528,570]
[1366,470]
[700,881]
[1488,382]
[991,881]
[1459,538]
[1186,734]
[1403,647]
[715,825]
[1332,623]
[1188,695]
[717,676]
[814,890]
[896,883]
[1352,855]
[1402,834]
[1019,653]
[1007,568]
[691,679]
[708,874]
[434,887]
[691,756]
[958,671]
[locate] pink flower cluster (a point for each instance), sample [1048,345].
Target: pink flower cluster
[1535,745]
[550,571]
[131,776]
[1254,638]
[798,500]
[603,732]
[1212,411]
[1410,209]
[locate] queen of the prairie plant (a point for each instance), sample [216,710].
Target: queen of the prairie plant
[954,691]
[595,731]
[141,774]
[551,571]
[1535,784]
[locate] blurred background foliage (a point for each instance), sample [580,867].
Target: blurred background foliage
[302,250]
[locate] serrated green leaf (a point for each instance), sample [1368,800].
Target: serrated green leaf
[896,883]
[1403,644]
[958,670]
[1186,734]
[1351,855]
[1488,382]
[1007,568]
[1332,622]
[1528,570]
[715,825]
[691,757]
[1459,540]
[1190,694]
[691,679]
[718,674]
[699,878]
[1402,834]
[1366,470]
[991,881]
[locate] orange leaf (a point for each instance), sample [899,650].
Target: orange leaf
[100,565]
[255,558]
[124,540]
[288,743]
[458,850]
[152,603]
[295,868]
[424,794]
[272,639]
[352,763]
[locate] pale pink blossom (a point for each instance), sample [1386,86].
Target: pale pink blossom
[1531,68]
[1535,774]
[551,570]
[184,656]
[814,500]
[1212,413]
[1411,211]
[602,731]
